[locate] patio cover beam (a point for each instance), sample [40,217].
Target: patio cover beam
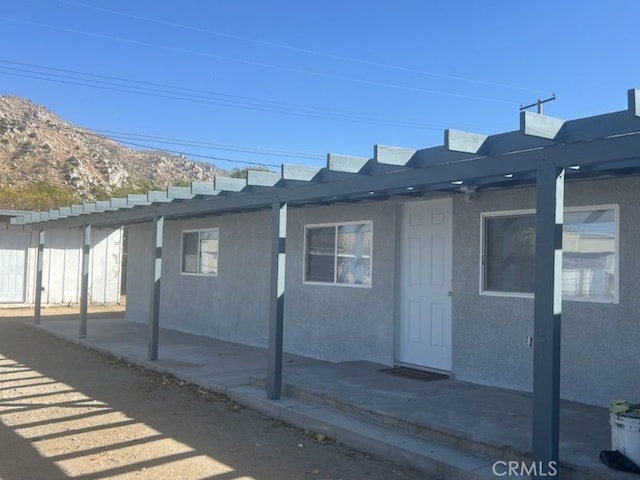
[583,153]
[134,199]
[343,167]
[464,142]
[84,282]
[118,203]
[257,178]
[394,156]
[542,126]
[299,173]
[26,219]
[203,188]
[229,184]
[345,163]
[545,431]
[591,153]
[90,207]
[157,196]
[104,206]
[156,273]
[179,193]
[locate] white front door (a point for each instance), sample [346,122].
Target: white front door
[424,299]
[13,257]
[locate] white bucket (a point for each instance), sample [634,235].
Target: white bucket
[625,435]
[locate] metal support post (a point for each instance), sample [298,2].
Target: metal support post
[154,311]
[276,311]
[547,317]
[38,295]
[84,284]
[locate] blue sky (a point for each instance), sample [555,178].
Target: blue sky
[286,81]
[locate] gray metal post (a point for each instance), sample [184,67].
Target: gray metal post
[547,316]
[276,311]
[38,296]
[84,284]
[154,311]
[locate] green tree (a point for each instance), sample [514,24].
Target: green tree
[38,196]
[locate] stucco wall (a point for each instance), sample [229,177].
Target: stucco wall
[139,262]
[342,323]
[234,305]
[599,341]
[322,321]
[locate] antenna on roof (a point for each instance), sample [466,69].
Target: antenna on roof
[538,103]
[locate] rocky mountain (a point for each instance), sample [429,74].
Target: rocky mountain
[38,146]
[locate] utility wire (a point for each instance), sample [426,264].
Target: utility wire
[267,65]
[302,50]
[196,143]
[162,85]
[125,89]
[178,152]
[204,97]
[207,157]
[220,103]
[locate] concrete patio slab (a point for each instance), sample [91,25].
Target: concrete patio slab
[447,428]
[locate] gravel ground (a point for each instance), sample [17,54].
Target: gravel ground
[69,412]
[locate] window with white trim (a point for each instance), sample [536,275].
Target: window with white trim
[589,261]
[338,253]
[200,252]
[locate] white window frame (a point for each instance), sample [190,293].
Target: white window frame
[335,282]
[198,230]
[515,213]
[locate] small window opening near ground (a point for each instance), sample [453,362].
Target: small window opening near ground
[338,253]
[589,261]
[200,252]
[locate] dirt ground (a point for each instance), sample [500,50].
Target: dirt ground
[69,412]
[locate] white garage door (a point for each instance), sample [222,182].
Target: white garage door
[13,264]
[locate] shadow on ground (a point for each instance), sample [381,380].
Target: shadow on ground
[68,412]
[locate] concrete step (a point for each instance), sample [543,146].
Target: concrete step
[447,437]
[430,448]
[435,459]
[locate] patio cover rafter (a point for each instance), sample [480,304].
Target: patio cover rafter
[596,144]
[592,154]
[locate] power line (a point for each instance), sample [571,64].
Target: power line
[161,85]
[269,65]
[126,89]
[197,143]
[72,77]
[207,157]
[178,152]
[302,50]
[171,87]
